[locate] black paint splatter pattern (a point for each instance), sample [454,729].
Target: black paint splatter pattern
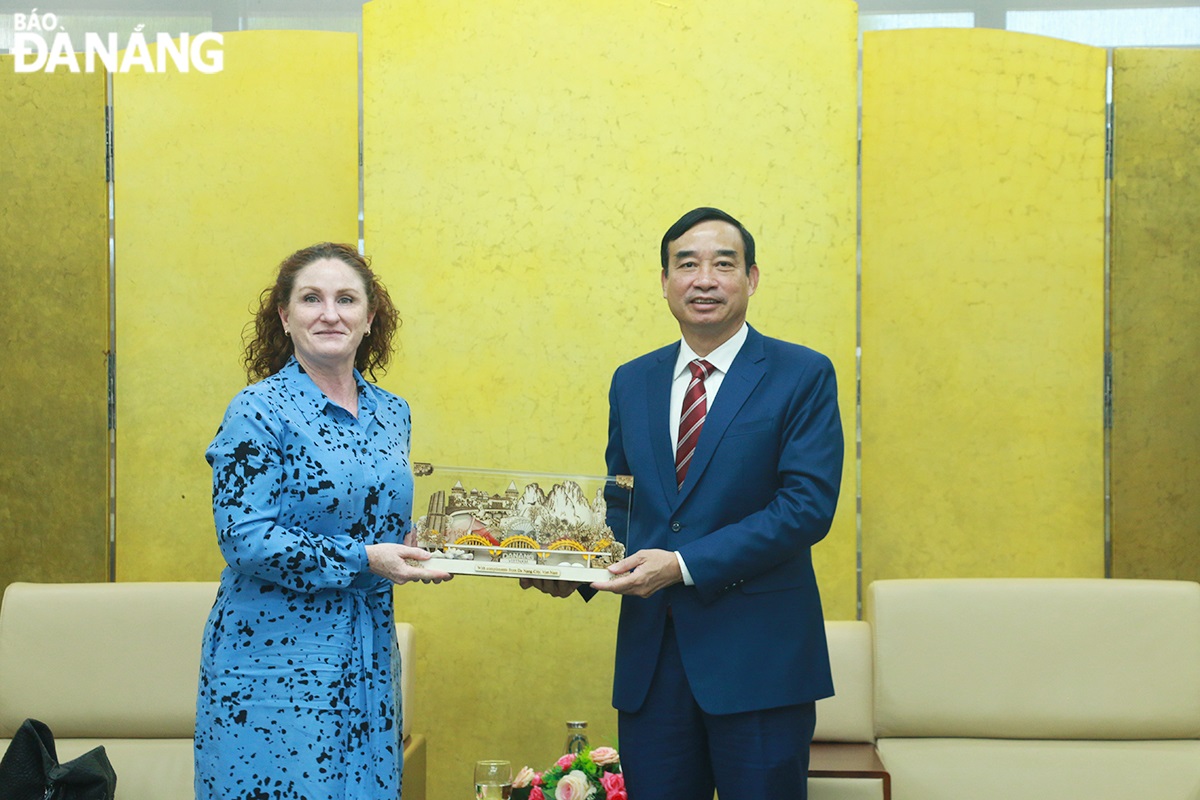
[299,679]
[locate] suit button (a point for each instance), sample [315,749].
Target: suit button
[675,526]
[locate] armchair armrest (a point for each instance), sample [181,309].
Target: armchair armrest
[848,760]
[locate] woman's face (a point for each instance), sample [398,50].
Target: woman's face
[327,314]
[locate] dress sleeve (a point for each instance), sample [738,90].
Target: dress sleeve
[248,482]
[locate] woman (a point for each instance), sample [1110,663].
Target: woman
[312,497]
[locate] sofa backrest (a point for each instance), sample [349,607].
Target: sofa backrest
[405,634]
[112,660]
[847,716]
[1036,658]
[102,659]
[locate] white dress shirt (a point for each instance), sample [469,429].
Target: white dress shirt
[721,359]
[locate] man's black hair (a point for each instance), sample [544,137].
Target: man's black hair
[703,214]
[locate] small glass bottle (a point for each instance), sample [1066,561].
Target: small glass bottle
[577,740]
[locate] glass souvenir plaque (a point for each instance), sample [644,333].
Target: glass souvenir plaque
[520,524]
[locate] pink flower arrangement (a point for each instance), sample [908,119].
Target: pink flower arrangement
[605,756]
[594,775]
[614,786]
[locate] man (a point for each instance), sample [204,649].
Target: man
[735,444]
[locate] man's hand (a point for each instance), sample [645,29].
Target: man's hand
[389,560]
[554,588]
[643,573]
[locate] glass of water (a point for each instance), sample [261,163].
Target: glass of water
[493,780]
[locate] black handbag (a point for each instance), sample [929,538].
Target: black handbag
[30,769]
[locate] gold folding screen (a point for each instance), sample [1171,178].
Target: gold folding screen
[982,305]
[54,267]
[218,177]
[1156,315]
[522,160]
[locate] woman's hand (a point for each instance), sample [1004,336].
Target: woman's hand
[390,561]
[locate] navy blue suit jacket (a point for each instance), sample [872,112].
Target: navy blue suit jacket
[760,492]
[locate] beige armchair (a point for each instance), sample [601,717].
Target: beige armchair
[1039,689]
[843,763]
[116,664]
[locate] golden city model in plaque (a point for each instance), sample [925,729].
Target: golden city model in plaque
[501,523]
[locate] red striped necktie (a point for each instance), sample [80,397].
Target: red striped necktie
[691,419]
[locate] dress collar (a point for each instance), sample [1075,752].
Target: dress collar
[313,402]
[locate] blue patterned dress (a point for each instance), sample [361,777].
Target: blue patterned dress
[299,678]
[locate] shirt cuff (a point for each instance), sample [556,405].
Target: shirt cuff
[687,576]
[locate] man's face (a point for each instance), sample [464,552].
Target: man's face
[706,284]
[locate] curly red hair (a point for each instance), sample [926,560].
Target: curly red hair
[268,348]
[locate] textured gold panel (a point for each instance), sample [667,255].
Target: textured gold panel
[54,267]
[218,177]
[982,305]
[1156,315]
[522,161]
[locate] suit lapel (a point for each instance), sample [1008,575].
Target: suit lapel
[744,375]
[658,410]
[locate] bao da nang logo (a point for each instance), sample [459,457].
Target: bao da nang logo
[40,44]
